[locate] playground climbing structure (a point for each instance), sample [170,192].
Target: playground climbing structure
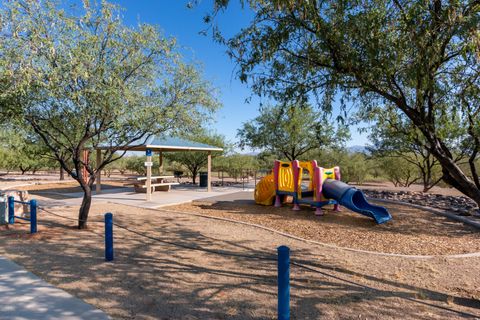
[308,184]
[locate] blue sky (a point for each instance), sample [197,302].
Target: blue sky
[176,20]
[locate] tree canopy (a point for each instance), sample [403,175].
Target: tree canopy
[393,135]
[195,161]
[24,151]
[420,56]
[290,132]
[81,79]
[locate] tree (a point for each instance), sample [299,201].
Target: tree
[399,171]
[266,160]
[237,165]
[195,161]
[136,164]
[7,158]
[353,166]
[119,165]
[289,131]
[419,56]
[26,152]
[81,80]
[394,136]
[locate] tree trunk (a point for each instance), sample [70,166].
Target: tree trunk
[85,207]
[194,176]
[427,186]
[427,181]
[453,175]
[62,174]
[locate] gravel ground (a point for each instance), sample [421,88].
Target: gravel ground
[460,205]
[177,279]
[388,186]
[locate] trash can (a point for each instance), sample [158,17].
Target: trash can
[203,179]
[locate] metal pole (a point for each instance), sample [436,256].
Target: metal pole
[33,216]
[283,283]
[108,236]
[11,210]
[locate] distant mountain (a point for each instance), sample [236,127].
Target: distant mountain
[357,149]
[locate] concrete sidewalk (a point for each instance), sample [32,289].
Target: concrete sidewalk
[26,296]
[127,196]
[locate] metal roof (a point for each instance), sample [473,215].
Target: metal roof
[156,143]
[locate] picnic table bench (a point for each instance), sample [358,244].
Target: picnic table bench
[157,184]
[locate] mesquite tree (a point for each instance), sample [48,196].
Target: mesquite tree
[420,56]
[290,131]
[27,151]
[81,79]
[195,161]
[394,136]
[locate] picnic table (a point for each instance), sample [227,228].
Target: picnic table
[157,183]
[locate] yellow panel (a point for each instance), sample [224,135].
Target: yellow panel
[285,177]
[328,173]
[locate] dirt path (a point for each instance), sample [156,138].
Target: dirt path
[167,279]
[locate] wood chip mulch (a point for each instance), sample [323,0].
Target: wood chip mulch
[411,231]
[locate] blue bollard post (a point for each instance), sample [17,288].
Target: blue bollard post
[283,283]
[11,210]
[33,216]
[108,236]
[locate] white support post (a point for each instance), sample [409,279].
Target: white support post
[148,183]
[98,184]
[209,171]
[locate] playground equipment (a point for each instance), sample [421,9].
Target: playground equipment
[265,191]
[309,184]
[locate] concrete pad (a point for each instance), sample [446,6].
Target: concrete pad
[127,196]
[239,197]
[177,195]
[25,296]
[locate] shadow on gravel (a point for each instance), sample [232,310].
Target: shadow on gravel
[181,273]
[67,189]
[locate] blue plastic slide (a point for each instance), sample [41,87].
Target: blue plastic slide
[354,199]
